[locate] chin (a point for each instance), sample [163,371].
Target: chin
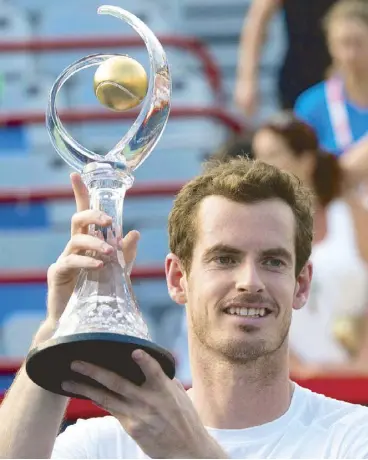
[243,350]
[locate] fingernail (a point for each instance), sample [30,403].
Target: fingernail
[107,248]
[138,354]
[78,366]
[106,218]
[67,386]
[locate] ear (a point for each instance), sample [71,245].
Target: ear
[303,285]
[176,279]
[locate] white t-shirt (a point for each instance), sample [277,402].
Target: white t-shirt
[313,427]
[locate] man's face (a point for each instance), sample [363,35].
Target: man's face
[241,287]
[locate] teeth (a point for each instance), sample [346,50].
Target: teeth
[247,311]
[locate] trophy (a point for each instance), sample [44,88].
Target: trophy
[102,323]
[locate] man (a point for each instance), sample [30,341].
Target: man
[307,57]
[240,236]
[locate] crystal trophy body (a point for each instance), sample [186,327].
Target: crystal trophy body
[102,323]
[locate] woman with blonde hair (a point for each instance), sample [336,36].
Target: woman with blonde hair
[337,108]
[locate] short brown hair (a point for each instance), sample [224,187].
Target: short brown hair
[244,181]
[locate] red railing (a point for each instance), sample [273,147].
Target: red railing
[191,44]
[353,390]
[76,116]
[65,193]
[91,116]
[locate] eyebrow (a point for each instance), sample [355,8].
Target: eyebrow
[220,249]
[227,249]
[278,252]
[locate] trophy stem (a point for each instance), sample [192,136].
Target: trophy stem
[107,191]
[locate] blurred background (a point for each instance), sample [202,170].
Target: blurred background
[236,65]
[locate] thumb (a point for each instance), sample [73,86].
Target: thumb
[129,244]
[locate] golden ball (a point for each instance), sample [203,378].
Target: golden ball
[120,83]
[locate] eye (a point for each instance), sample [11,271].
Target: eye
[225,260]
[274,263]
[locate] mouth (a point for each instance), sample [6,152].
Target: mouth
[248,312]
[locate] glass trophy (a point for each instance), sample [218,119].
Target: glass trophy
[102,323]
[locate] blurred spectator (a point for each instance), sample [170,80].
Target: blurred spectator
[239,144]
[337,108]
[306,59]
[330,334]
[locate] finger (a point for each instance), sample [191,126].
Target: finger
[155,376]
[80,243]
[103,398]
[76,262]
[108,379]
[80,192]
[83,219]
[179,384]
[129,244]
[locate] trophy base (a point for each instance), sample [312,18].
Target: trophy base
[48,365]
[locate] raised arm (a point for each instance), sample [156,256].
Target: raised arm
[30,416]
[250,48]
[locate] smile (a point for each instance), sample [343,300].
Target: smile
[248,312]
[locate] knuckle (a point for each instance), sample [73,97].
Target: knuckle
[76,242]
[106,401]
[117,385]
[75,218]
[136,428]
[71,244]
[100,215]
[65,262]
[155,371]
[51,271]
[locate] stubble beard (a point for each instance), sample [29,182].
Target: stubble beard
[244,351]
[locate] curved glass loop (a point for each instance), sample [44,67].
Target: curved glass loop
[139,141]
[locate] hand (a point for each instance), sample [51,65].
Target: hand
[246,96]
[62,275]
[158,415]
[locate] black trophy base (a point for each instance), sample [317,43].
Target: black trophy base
[48,365]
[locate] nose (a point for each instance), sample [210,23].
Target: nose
[249,279]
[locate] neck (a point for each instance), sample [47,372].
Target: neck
[356,87]
[230,395]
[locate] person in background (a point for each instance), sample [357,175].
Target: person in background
[307,57]
[337,108]
[329,335]
[239,143]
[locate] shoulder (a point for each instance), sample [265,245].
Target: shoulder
[345,425]
[350,434]
[310,99]
[101,437]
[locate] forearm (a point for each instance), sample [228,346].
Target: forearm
[252,38]
[214,450]
[354,162]
[205,446]
[30,416]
